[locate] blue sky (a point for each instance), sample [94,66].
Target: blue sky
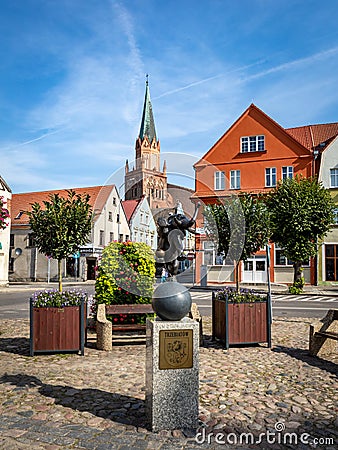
[72,79]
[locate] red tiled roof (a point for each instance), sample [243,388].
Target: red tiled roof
[312,135]
[22,202]
[129,207]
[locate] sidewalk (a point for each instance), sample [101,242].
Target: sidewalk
[97,401]
[38,285]
[276,288]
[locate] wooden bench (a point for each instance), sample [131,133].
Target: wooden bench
[321,341]
[105,328]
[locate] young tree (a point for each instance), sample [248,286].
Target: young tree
[302,212]
[62,226]
[240,226]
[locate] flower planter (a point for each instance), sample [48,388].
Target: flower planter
[55,329]
[241,323]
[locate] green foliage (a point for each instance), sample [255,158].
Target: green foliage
[126,275]
[239,225]
[4,214]
[302,212]
[297,287]
[62,226]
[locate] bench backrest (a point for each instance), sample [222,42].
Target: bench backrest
[142,308]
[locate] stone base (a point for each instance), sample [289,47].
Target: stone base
[172,374]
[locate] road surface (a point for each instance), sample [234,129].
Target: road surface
[15,303]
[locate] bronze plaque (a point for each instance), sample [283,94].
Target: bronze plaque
[176,349]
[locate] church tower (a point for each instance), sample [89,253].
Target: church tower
[146,177]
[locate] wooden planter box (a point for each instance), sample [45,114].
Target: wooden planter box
[241,323]
[58,329]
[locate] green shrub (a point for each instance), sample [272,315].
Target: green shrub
[297,287]
[126,275]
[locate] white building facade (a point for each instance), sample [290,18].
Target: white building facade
[5,193]
[141,221]
[328,250]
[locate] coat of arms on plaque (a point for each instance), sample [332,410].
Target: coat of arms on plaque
[176,349]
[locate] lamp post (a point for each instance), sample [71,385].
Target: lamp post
[119,212]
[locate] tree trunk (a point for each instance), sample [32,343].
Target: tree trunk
[297,274]
[60,274]
[237,275]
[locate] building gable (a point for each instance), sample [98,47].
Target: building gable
[254,122]
[252,156]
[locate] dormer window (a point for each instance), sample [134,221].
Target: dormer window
[18,216]
[252,144]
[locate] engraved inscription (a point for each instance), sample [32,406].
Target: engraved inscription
[176,349]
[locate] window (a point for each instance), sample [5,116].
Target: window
[270,177]
[219,181]
[235,179]
[117,218]
[252,144]
[333,177]
[110,216]
[287,172]
[30,240]
[101,237]
[210,256]
[18,216]
[281,260]
[335,212]
[120,237]
[111,236]
[114,201]
[141,217]
[11,265]
[331,262]
[127,237]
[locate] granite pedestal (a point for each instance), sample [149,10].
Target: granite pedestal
[172,374]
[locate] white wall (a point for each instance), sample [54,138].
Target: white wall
[111,225]
[4,239]
[329,161]
[143,226]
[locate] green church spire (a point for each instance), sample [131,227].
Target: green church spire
[147,123]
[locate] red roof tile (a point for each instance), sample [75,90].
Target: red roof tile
[312,135]
[22,202]
[129,207]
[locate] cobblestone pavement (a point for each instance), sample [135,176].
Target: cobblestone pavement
[97,401]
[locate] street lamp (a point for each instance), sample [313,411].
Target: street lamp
[119,212]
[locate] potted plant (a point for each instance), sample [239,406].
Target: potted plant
[58,321]
[241,317]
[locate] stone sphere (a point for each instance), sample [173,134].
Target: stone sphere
[171,301]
